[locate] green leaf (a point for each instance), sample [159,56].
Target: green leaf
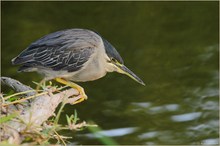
[7,118]
[68,120]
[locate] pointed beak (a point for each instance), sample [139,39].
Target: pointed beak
[124,70]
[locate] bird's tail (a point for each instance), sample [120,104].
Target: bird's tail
[19,60]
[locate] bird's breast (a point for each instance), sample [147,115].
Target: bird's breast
[94,68]
[92,71]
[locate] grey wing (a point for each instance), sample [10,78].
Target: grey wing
[56,59]
[58,51]
[68,59]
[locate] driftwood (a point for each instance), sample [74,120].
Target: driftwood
[32,113]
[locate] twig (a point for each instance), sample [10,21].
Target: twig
[23,99]
[19,93]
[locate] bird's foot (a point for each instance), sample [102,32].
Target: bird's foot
[82,94]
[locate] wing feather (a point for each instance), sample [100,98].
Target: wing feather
[63,50]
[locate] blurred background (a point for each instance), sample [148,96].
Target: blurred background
[171,46]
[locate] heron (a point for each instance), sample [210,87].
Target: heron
[72,55]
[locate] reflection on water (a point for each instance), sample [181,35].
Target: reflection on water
[172,46]
[186,117]
[113,132]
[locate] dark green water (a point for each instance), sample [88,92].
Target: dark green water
[172,46]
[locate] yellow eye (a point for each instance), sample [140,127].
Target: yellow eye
[114,60]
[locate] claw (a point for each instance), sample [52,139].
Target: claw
[80,100]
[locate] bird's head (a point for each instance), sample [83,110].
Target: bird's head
[116,63]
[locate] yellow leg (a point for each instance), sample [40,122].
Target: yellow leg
[83,96]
